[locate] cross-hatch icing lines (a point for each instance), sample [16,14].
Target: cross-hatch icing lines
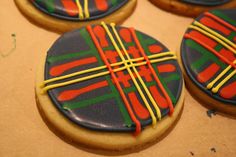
[160,57]
[227,78]
[128,63]
[223,77]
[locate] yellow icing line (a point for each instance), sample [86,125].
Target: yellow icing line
[136,72]
[162,59]
[211,84]
[216,38]
[81,15]
[215,89]
[216,34]
[131,74]
[112,65]
[86,9]
[95,75]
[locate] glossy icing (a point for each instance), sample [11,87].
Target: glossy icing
[122,79]
[79,9]
[208,54]
[206,2]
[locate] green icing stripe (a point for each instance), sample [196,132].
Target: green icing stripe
[144,45]
[114,2]
[232,36]
[133,89]
[164,83]
[53,59]
[49,5]
[218,47]
[200,62]
[85,103]
[122,108]
[204,52]
[115,93]
[86,36]
[172,77]
[223,16]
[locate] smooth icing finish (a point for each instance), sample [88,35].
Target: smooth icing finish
[112,78]
[208,54]
[79,9]
[206,2]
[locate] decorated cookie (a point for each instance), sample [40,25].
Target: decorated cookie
[110,87]
[65,15]
[193,7]
[208,54]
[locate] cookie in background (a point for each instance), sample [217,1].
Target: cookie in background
[208,55]
[66,15]
[193,8]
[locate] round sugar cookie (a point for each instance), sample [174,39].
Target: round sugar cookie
[66,15]
[193,8]
[208,54]
[110,87]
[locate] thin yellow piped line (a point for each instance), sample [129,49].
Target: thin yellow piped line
[104,67]
[216,89]
[81,15]
[131,74]
[213,37]
[136,72]
[86,9]
[211,84]
[217,35]
[45,89]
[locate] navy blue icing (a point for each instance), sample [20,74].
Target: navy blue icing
[94,14]
[106,115]
[206,2]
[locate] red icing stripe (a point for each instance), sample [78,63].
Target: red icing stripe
[101,5]
[60,69]
[228,91]
[227,54]
[140,111]
[71,94]
[123,78]
[127,105]
[125,34]
[215,25]
[210,49]
[70,7]
[221,21]
[158,97]
[166,68]
[155,48]
[208,73]
[101,35]
[152,70]
[203,38]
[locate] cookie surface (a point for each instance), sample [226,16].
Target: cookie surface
[208,54]
[66,15]
[193,8]
[108,82]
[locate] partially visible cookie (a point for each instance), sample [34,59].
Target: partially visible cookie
[193,7]
[101,84]
[208,54]
[66,15]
